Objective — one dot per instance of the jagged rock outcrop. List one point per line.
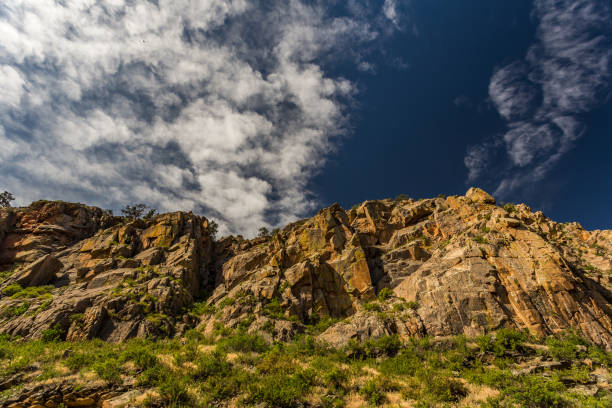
(84, 273)
(454, 265)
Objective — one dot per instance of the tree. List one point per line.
(212, 228)
(134, 211)
(150, 214)
(6, 198)
(263, 232)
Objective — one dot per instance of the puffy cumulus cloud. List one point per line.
(566, 72)
(223, 107)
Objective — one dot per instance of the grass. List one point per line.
(240, 368)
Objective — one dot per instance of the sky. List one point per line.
(257, 113)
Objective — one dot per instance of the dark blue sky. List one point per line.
(412, 126)
(260, 112)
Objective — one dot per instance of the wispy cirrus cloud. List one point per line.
(567, 72)
(224, 107)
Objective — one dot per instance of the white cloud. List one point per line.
(390, 11)
(11, 83)
(566, 72)
(223, 106)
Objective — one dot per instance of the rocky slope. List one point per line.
(442, 266)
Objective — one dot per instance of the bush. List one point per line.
(441, 387)
(12, 289)
(537, 392)
(510, 339)
(565, 348)
(76, 361)
(173, 390)
(335, 378)
(509, 207)
(405, 363)
(242, 341)
(40, 292)
(139, 353)
(211, 364)
(372, 393)
(281, 390)
(108, 370)
(505, 339)
(387, 345)
(372, 307)
(384, 294)
(480, 239)
(53, 334)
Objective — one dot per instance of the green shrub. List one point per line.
(537, 392)
(225, 302)
(54, 333)
(12, 289)
(335, 377)
(281, 390)
(108, 370)
(201, 308)
(372, 393)
(412, 304)
(480, 239)
(76, 361)
(140, 354)
(372, 307)
(510, 339)
(387, 345)
(173, 390)
(241, 341)
(384, 294)
(217, 387)
(406, 363)
(211, 364)
(439, 386)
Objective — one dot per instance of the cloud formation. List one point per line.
(224, 107)
(566, 73)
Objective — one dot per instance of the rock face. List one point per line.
(452, 265)
(106, 277)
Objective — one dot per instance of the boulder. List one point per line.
(39, 272)
(479, 196)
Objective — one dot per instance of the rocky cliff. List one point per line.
(441, 266)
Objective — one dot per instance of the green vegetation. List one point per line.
(510, 208)
(480, 239)
(15, 291)
(384, 294)
(236, 367)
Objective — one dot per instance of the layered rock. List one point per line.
(461, 263)
(103, 276)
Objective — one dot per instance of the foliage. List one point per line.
(509, 207)
(135, 211)
(12, 289)
(150, 214)
(212, 229)
(263, 232)
(54, 333)
(384, 294)
(6, 198)
(241, 369)
(241, 341)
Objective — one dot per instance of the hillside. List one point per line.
(376, 303)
